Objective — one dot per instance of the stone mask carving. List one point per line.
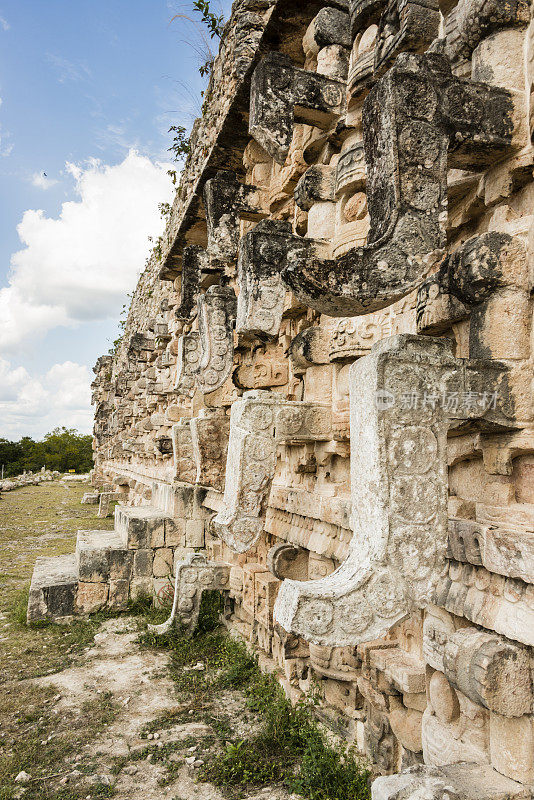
(417, 116)
(259, 420)
(205, 358)
(398, 489)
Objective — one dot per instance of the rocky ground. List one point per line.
(88, 710)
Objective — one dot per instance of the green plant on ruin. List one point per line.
(290, 747)
(164, 210)
(180, 146)
(210, 21)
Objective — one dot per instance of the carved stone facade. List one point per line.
(322, 405)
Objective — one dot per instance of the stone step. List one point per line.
(143, 527)
(53, 588)
(101, 557)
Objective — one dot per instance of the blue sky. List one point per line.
(88, 91)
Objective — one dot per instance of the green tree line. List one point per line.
(63, 449)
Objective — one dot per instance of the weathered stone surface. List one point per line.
(262, 256)
(330, 26)
(216, 314)
(502, 605)
(209, 439)
(457, 782)
(53, 588)
(91, 597)
(471, 21)
(194, 576)
(282, 94)
(96, 553)
(258, 421)
(397, 479)
(139, 527)
(226, 200)
(187, 363)
(490, 670)
(413, 117)
(288, 561)
(182, 442)
(194, 260)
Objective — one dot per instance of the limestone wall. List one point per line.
(326, 375)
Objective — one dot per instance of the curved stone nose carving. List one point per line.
(205, 358)
(258, 421)
(417, 118)
(403, 398)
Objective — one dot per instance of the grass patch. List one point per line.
(289, 748)
(43, 743)
(29, 651)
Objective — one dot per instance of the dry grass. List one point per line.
(39, 521)
(36, 521)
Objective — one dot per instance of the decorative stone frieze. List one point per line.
(216, 315)
(187, 363)
(209, 438)
(226, 201)
(351, 180)
(258, 422)
(262, 255)
(416, 114)
(403, 25)
(398, 466)
(281, 95)
(194, 576)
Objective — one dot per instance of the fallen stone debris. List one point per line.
(321, 407)
(29, 479)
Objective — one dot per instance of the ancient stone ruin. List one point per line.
(322, 403)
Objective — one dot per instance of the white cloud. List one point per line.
(6, 147)
(68, 70)
(33, 406)
(79, 266)
(41, 181)
(5, 24)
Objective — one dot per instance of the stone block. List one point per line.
(163, 592)
(90, 498)
(120, 564)
(415, 701)
(138, 534)
(265, 591)
(464, 739)
(490, 670)
(139, 526)
(118, 594)
(163, 562)
(512, 746)
(183, 501)
(175, 532)
(140, 587)
(194, 533)
(157, 534)
(456, 782)
(406, 671)
(53, 588)
(104, 507)
(91, 597)
(142, 563)
(93, 566)
(406, 725)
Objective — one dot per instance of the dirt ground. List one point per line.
(85, 710)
